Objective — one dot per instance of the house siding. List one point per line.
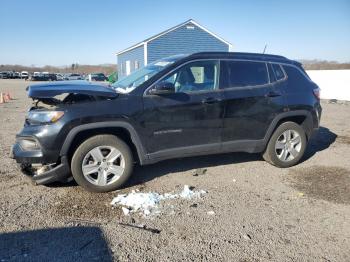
(184, 41)
(133, 55)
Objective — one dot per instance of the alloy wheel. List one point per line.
(103, 165)
(288, 145)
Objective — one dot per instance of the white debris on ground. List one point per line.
(211, 213)
(147, 202)
(187, 193)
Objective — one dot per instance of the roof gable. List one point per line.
(191, 21)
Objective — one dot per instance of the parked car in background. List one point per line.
(11, 74)
(38, 77)
(73, 77)
(16, 75)
(44, 76)
(59, 76)
(24, 75)
(34, 75)
(98, 77)
(52, 77)
(5, 75)
(204, 103)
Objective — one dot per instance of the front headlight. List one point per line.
(28, 144)
(43, 117)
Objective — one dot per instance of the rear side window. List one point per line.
(302, 69)
(244, 73)
(296, 79)
(279, 74)
(271, 73)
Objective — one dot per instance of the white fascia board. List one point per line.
(230, 48)
(167, 31)
(130, 48)
(211, 33)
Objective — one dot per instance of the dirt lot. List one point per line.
(260, 212)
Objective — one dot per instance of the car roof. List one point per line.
(244, 56)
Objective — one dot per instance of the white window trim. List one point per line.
(127, 67)
(130, 48)
(145, 54)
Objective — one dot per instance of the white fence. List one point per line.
(334, 84)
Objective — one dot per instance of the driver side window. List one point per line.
(195, 76)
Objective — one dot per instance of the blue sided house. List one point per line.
(186, 38)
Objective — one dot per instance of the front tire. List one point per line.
(102, 163)
(286, 146)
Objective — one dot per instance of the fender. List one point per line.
(134, 136)
(308, 123)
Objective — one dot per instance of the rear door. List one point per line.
(189, 119)
(251, 100)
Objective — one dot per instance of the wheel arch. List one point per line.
(301, 117)
(123, 130)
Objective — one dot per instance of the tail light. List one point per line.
(317, 93)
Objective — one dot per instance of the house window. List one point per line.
(137, 64)
(128, 67)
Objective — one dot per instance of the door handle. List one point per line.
(210, 100)
(273, 94)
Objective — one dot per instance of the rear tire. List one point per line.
(102, 163)
(286, 146)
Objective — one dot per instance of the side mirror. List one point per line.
(162, 88)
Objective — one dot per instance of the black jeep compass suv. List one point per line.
(204, 103)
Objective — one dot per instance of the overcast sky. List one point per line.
(35, 32)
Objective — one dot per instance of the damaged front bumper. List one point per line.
(40, 173)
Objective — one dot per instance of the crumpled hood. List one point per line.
(49, 90)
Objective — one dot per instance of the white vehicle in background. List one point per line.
(73, 77)
(59, 76)
(24, 75)
(36, 73)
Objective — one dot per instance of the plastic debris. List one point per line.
(126, 211)
(146, 203)
(211, 213)
(138, 201)
(188, 193)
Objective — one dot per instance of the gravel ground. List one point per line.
(259, 212)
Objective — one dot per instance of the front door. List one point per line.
(190, 119)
